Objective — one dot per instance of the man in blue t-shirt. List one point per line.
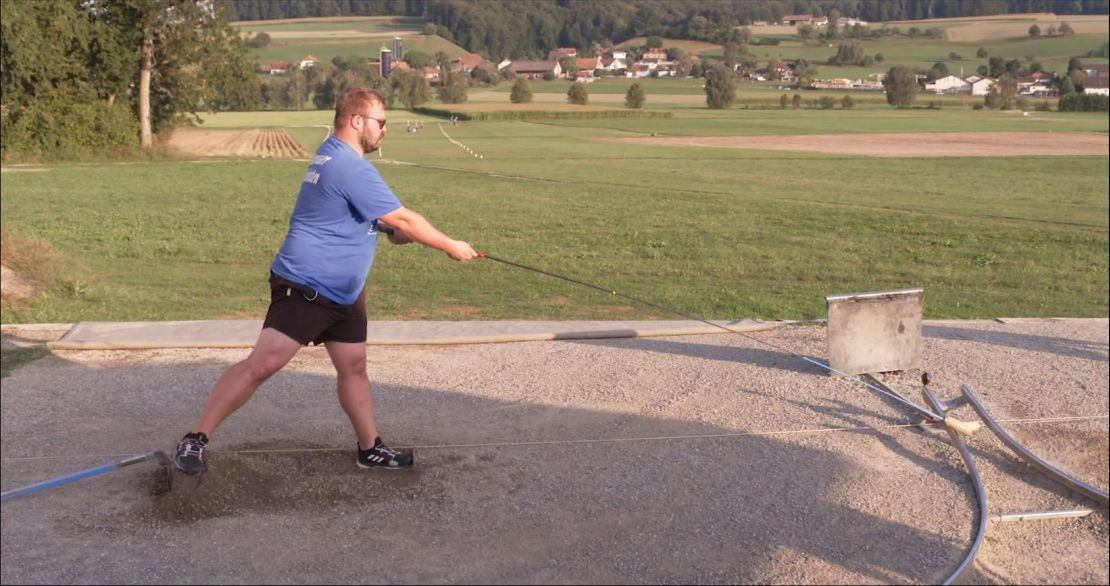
(318, 280)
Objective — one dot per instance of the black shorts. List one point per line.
(306, 316)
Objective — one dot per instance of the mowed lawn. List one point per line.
(717, 233)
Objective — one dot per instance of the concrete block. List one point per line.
(875, 332)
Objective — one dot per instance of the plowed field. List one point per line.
(255, 143)
(921, 144)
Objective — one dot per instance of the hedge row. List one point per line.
(59, 128)
(495, 115)
(1084, 103)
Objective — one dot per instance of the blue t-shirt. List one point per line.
(333, 231)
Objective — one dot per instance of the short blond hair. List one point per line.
(354, 101)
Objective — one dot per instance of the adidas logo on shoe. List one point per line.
(382, 456)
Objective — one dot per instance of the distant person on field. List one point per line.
(318, 279)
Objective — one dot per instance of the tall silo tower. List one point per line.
(387, 62)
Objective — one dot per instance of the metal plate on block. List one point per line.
(875, 332)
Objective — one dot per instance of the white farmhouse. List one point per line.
(949, 85)
(980, 85)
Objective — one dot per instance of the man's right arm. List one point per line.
(417, 228)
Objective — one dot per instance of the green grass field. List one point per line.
(688, 95)
(718, 233)
(308, 26)
(326, 50)
(326, 39)
(1052, 53)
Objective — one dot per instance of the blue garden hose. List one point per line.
(158, 456)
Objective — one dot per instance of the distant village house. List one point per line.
(278, 67)
(536, 69)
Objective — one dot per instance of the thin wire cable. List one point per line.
(590, 441)
(922, 410)
(636, 299)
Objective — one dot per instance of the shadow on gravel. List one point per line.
(763, 357)
(283, 501)
(1061, 346)
(848, 415)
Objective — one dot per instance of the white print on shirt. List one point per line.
(320, 159)
(311, 177)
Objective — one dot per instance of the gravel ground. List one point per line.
(688, 459)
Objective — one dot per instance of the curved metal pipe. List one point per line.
(1051, 471)
(980, 491)
(1042, 515)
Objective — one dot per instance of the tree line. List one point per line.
(320, 85)
(80, 76)
(522, 29)
(106, 76)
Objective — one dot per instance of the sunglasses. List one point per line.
(380, 121)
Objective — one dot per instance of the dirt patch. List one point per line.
(303, 34)
(23, 169)
(1006, 26)
(971, 19)
(12, 286)
(921, 144)
(1008, 30)
(258, 143)
(258, 23)
(694, 47)
(255, 478)
(343, 34)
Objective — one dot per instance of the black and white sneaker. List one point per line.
(189, 455)
(382, 456)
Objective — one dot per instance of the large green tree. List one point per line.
(410, 87)
(850, 53)
(324, 84)
(452, 87)
(569, 66)
(1002, 94)
(168, 59)
(50, 47)
(60, 75)
(577, 94)
(720, 88)
(521, 93)
(418, 59)
(187, 49)
(900, 85)
(302, 84)
(938, 70)
(635, 96)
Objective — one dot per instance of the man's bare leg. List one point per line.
(271, 353)
(353, 385)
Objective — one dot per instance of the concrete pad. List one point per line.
(243, 333)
